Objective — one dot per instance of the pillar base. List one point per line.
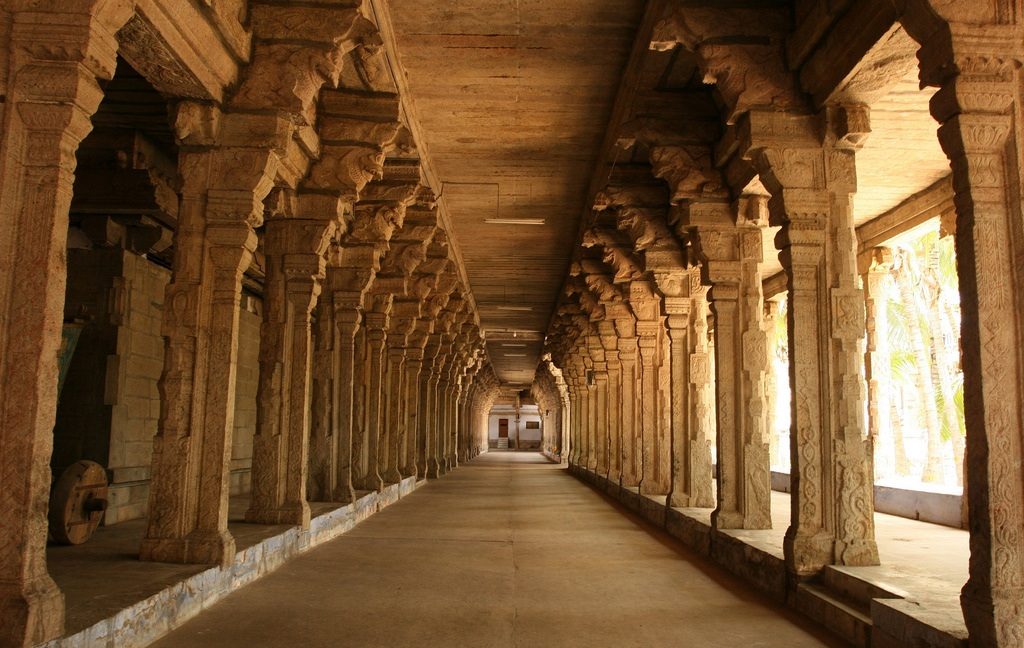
(679, 500)
(32, 612)
(860, 553)
(614, 476)
(344, 494)
(806, 555)
(411, 471)
(197, 548)
(296, 514)
(651, 489)
(393, 476)
(433, 469)
(371, 483)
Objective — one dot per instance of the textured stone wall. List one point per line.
(133, 375)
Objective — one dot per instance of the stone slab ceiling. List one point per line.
(513, 98)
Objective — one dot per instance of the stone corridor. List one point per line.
(508, 551)
(279, 281)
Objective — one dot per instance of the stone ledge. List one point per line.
(153, 617)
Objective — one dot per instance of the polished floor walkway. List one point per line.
(509, 550)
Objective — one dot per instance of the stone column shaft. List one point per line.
(192, 450)
(346, 320)
(376, 337)
(630, 413)
(812, 184)
(614, 416)
(733, 264)
(701, 414)
(295, 268)
(49, 103)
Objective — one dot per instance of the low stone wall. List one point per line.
(926, 506)
(150, 619)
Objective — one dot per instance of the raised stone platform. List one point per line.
(143, 601)
(912, 599)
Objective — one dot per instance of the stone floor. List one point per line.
(506, 551)
(104, 575)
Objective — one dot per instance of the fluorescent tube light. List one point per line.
(514, 221)
(515, 308)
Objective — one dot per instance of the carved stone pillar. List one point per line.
(395, 395)
(812, 182)
(979, 111)
(677, 323)
(625, 328)
(426, 459)
(877, 365)
(296, 265)
(655, 451)
(599, 436)
(588, 432)
(442, 396)
(731, 248)
(576, 413)
(213, 247)
(377, 322)
(414, 406)
(771, 313)
(323, 438)
(435, 465)
(347, 319)
(702, 410)
(614, 403)
(51, 95)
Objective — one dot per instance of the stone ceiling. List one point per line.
(513, 98)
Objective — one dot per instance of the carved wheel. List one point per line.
(77, 502)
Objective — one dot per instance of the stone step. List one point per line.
(846, 584)
(502, 444)
(837, 615)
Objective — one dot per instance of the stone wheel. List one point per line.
(77, 502)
